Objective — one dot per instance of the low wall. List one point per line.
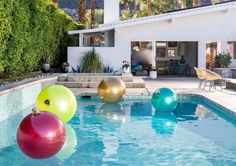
(110, 56)
(15, 103)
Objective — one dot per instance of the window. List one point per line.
(231, 48)
(166, 49)
(172, 44)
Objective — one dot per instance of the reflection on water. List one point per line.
(9, 127)
(141, 109)
(164, 122)
(193, 111)
(185, 111)
(113, 111)
(132, 133)
(70, 144)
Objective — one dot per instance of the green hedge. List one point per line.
(28, 29)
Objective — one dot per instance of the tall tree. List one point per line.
(82, 11)
(135, 7)
(149, 7)
(93, 19)
(196, 3)
(93, 8)
(126, 4)
(55, 1)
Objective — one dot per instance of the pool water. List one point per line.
(132, 133)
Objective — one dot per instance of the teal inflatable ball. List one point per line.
(164, 99)
(164, 123)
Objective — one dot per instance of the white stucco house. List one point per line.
(192, 33)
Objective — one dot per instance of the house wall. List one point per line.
(191, 54)
(110, 56)
(216, 26)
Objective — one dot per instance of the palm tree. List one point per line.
(93, 8)
(93, 18)
(135, 7)
(149, 7)
(126, 3)
(55, 1)
(196, 3)
(82, 11)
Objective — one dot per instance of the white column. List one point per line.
(81, 43)
(111, 11)
(154, 53)
(201, 54)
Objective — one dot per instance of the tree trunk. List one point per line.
(82, 11)
(149, 7)
(196, 3)
(93, 8)
(55, 1)
(126, 3)
(93, 19)
(135, 6)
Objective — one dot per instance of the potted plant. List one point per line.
(126, 67)
(46, 62)
(65, 67)
(222, 62)
(153, 73)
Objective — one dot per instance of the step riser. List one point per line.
(89, 79)
(95, 84)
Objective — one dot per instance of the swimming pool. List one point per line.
(131, 133)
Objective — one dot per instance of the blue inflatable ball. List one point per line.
(164, 99)
(164, 123)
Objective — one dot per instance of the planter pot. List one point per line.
(45, 68)
(233, 73)
(65, 69)
(126, 69)
(224, 72)
(153, 74)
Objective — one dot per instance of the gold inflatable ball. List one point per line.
(111, 90)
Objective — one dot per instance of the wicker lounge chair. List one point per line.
(210, 77)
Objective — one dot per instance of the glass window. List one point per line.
(231, 48)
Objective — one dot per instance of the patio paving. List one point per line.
(189, 85)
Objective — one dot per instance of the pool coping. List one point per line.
(138, 92)
(25, 83)
(223, 107)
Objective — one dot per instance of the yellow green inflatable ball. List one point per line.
(164, 99)
(58, 100)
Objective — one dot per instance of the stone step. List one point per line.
(93, 77)
(72, 84)
(90, 78)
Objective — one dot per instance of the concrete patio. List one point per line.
(183, 85)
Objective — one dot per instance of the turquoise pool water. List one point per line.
(131, 133)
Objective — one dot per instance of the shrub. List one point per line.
(1, 70)
(223, 60)
(27, 30)
(91, 62)
(76, 70)
(107, 69)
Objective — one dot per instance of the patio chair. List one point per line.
(201, 77)
(210, 77)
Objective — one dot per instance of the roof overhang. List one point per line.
(91, 31)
